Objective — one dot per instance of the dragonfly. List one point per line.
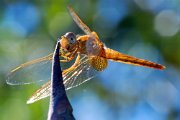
(90, 54)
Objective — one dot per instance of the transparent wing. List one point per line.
(82, 73)
(78, 21)
(33, 71)
(41, 93)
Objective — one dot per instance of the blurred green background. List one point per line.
(148, 29)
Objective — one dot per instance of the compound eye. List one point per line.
(71, 37)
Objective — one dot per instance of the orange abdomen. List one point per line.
(120, 57)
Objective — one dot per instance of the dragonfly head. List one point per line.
(68, 41)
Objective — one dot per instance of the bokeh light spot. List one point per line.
(160, 99)
(20, 18)
(148, 4)
(167, 23)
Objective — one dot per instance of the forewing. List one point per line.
(33, 71)
(78, 21)
(82, 73)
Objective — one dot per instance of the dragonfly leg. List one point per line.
(68, 57)
(73, 66)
